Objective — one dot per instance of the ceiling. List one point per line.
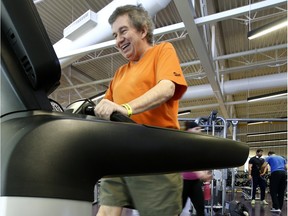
(222, 67)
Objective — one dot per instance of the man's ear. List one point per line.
(144, 31)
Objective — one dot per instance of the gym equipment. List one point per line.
(238, 209)
(217, 125)
(86, 107)
(50, 161)
(56, 106)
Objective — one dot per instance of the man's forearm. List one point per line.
(156, 96)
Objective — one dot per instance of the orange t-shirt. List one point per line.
(134, 79)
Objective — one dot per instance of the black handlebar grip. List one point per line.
(116, 116)
(88, 109)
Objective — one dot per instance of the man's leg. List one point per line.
(273, 190)
(262, 185)
(282, 188)
(185, 192)
(254, 186)
(109, 211)
(156, 195)
(113, 196)
(197, 197)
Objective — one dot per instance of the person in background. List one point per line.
(193, 181)
(278, 179)
(254, 169)
(147, 89)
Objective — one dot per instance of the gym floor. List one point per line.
(262, 210)
(255, 210)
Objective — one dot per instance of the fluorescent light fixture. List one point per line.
(273, 26)
(267, 96)
(267, 141)
(37, 1)
(267, 134)
(269, 147)
(255, 123)
(184, 113)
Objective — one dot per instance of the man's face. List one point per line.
(129, 41)
(260, 153)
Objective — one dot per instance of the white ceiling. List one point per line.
(222, 67)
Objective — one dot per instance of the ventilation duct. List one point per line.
(237, 86)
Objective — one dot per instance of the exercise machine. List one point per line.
(50, 161)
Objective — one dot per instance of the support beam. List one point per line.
(205, 106)
(111, 43)
(252, 52)
(240, 54)
(187, 14)
(180, 26)
(238, 11)
(253, 66)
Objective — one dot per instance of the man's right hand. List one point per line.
(105, 108)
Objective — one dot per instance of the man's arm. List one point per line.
(156, 96)
(250, 170)
(264, 168)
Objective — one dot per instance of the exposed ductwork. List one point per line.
(230, 87)
(100, 37)
(102, 31)
(237, 86)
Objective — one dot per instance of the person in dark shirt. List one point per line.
(255, 164)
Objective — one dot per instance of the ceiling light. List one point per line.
(273, 26)
(269, 147)
(184, 113)
(267, 141)
(267, 133)
(37, 1)
(259, 122)
(267, 96)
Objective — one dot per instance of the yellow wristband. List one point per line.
(128, 108)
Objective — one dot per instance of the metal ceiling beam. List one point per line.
(85, 84)
(180, 26)
(205, 106)
(187, 14)
(196, 62)
(245, 120)
(252, 52)
(238, 11)
(71, 84)
(111, 43)
(239, 54)
(253, 66)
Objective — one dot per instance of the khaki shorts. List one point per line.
(156, 195)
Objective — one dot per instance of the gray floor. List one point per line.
(255, 210)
